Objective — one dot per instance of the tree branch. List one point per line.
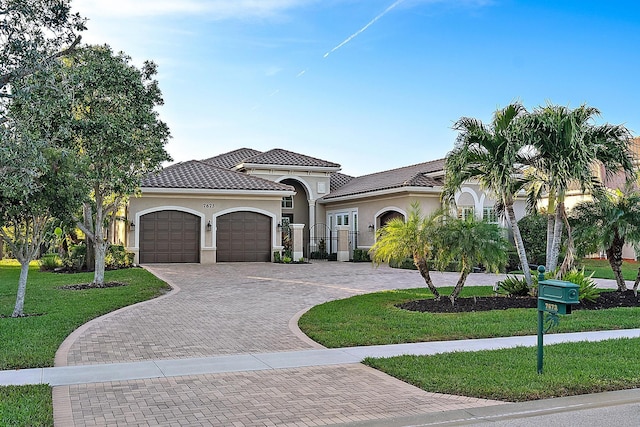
(6, 78)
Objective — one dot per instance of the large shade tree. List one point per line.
(607, 223)
(116, 133)
(398, 240)
(567, 145)
(34, 128)
(494, 156)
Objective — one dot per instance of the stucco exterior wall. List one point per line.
(369, 211)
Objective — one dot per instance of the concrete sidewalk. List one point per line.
(86, 374)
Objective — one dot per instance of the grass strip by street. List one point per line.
(373, 319)
(32, 341)
(26, 406)
(511, 375)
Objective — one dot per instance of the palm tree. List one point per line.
(468, 243)
(398, 240)
(567, 144)
(493, 155)
(606, 223)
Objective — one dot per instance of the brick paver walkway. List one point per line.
(236, 309)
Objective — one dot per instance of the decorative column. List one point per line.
(312, 222)
(343, 242)
(298, 241)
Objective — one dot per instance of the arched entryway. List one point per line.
(295, 210)
(388, 216)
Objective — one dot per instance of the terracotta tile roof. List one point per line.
(338, 180)
(232, 158)
(196, 174)
(280, 157)
(408, 176)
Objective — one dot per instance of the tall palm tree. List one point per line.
(606, 223)
(493, 155)
(468, 243)
(567, 144)
(398, 240)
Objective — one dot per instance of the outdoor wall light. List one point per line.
(279, 226)
(371, 227)
(209, 225)
(132, 226)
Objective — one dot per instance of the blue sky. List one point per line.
(254, 73)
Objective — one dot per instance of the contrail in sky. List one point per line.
(361, 30)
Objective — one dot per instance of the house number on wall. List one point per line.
(208, 205)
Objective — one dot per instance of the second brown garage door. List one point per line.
(169, 236)
(243, 237)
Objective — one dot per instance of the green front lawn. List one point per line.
(602, 270)
(53, 313)
(373, 319)
(26, 406)
(31, 342)
(511, 375)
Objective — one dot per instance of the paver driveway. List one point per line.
(227, 309)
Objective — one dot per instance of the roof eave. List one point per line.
(210, 191)
(245, 166)
(385, 192)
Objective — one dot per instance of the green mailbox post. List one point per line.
(554, 297)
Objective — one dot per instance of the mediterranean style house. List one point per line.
(246, 205)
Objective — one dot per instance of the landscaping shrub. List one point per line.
(49, 262)
(513, 261)
(588, 288)
(405, 264)
(533, 229)
(360, 255)
(75, 258)
(117, 257)
(513, 286)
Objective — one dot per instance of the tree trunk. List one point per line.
(87, 217)
(461, 280)
(18, 310)
(614, 254)
(517, 237)
(551, 212)
(557, 235)
(635, 284)
(569, 257)
(100, 253)
(423, 268)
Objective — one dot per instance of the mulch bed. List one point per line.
(83, 286)
(606, 300)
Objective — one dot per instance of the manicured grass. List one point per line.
(373, 319)
(602, 270)
(26, 406)
(53, 313)
(510, 375)
(32, 341)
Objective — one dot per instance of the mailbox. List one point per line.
(554, 297)
(557, 296)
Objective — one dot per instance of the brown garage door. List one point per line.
(243, 237)
(169, 236)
